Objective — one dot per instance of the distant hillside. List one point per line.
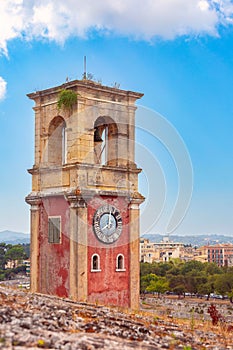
(11, 237)
(195, 240)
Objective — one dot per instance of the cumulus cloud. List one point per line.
(59, 19)
(11, 25)
(2, 88)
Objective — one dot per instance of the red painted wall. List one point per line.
(54, 258)
(108, 286)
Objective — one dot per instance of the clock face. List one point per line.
(107, 223)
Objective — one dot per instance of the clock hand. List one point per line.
(109, 219)
(106, 226)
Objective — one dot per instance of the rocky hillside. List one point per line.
(29, 321)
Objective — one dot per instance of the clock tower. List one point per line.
(85, 200)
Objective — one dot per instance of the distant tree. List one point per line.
(230, 296)
(224, 285)
(205, 289)
(212, 269)
(159, 286)
(191, 276)
(26, 248)
(3, 249)
(192, 266)
(164, 268)
(145, 281)
(176, 284)
(145, 269)
(143, 284)
(190, 283)
(176, 262)
(179, 290)
(174, 271)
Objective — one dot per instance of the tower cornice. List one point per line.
(87, 86)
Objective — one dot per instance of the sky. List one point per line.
(178, 53)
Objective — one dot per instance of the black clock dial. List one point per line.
(107, 223)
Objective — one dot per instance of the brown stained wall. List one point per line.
(109, 286)
(54, 258)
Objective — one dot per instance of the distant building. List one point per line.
(194, 253)
(166, 250)
(201, 254)
(159, 252)
(27, 263)
(12, 264)
(221, 254)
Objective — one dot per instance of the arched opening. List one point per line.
(105, 141)
(57, 141)
(120, 262)
(95, 262)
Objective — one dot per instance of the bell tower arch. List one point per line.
(105, 141)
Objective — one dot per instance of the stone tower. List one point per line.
(84, 200)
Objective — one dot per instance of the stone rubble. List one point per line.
(33, 321)
(185, 308)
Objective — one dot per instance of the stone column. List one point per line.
(78, 249)
(38, 146)
(134, 233)
(34, 245)
(131, 137)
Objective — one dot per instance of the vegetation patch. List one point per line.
(192, 278)
(66, 100)
(13, 254)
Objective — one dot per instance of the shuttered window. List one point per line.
(54, 228)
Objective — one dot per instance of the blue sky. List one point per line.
(179, 53)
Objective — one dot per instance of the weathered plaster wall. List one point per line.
(54, 258)
(109, 286)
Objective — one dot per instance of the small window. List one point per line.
(120, 263)
(95, 263)
(54, 230)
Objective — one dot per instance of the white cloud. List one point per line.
(11, 21)
(2, 88)
(59, 19)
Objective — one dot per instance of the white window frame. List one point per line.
(98, 265)
(123, 263)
